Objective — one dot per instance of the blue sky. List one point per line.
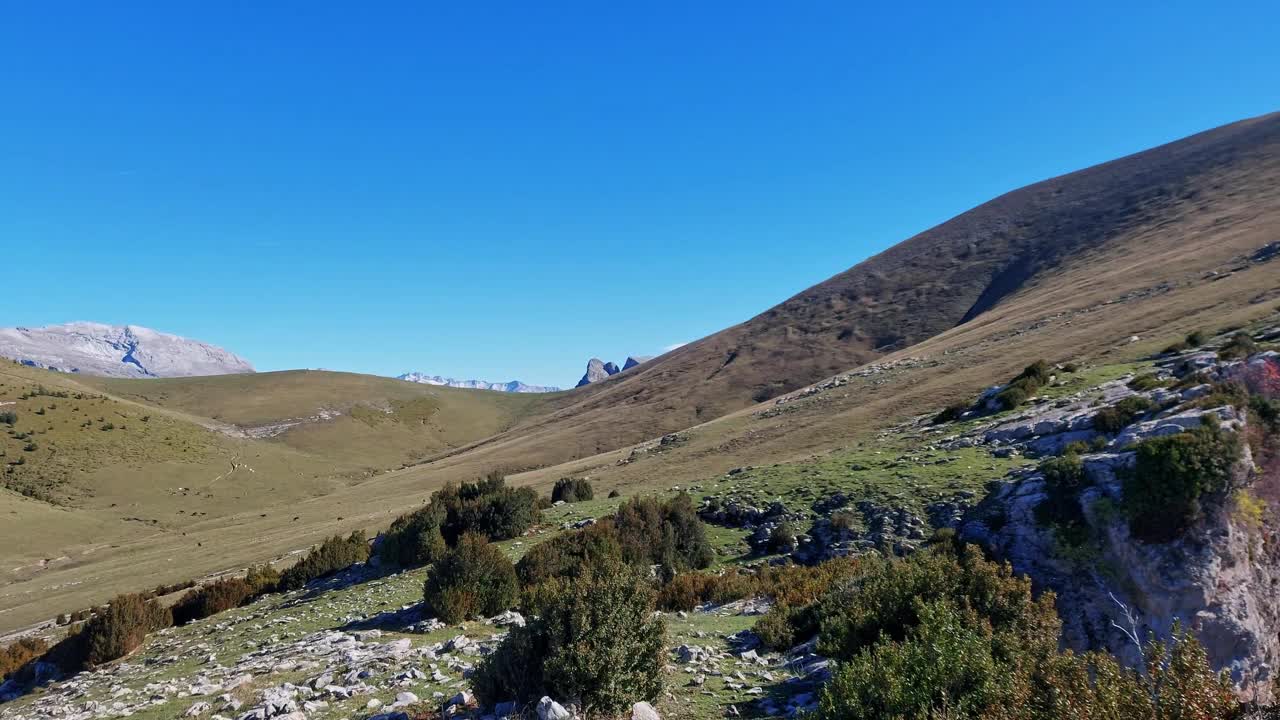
(502, 190)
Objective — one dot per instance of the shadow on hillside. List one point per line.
(399, 620)
(354, 575)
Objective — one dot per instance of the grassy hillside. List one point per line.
(1147, 247)
(94, 470)
(1110, 245)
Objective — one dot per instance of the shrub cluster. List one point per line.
(945, 633)
(487, 507)
(335, 554)
(1064, 478)
(572, 490)
(1024, 385)
(20, 653)
(666, 533)
(593, 641)
(472, 580)
(1114, 418)
(8, 417)
(211, 599)
(1193, 340)
(1240, 345)
(1170, 476)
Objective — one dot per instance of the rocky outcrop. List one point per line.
(514, 386)
(126, 351)
(634, 360)
(1218, 579)
(598, 370)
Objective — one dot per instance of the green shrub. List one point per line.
(9, 417)
(487, 507)
(262, 578)
(1240, 345)
(1170, 476)
(670, 534)
(1024, 385)
(1148, 381)
(473, 580)
(212, 599)
(572, 490)
(414, 539)
(884, 597)
(614, 493)
(1012, 396)
(594, 642)
(783, 538)
(1196, 338)
(121, 629)
(1064, 478)
(951, 412)
(333, 555)
(1117, 417)
(565, 555)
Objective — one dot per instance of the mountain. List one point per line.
(117, 351)
(597, 370)
(1067, 267)
(514, 386)
(634, 360)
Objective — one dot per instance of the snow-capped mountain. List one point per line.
(514, 386)
(117, 351)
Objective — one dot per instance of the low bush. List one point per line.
(262, 578)
(1148, 381)
(212, 599)
(1171, 474)
(951, 413)
(1241, 345)
(1064, 478)
(473, 580)
(564, 555)
(414, 539)
(333, 555)
(14, 656)
(572, 490)
(121, 628)
(594, 641)
(9, 417)
(1114, 418)
(1024, 385)
(487, 507)
(614, 493)
(670, 534)
(783, 538)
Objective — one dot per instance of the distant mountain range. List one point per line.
(514, 386)
(127, 351)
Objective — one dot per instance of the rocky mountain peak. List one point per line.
(129, 351)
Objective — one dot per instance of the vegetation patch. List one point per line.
(1172, 474)
(594, 641)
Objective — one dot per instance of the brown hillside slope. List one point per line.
(928, 284)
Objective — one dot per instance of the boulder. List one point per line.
(644, 711)
(549, 709)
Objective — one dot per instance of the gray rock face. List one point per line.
(1217, 580)
(514, 386)
(115, 351)
(597, 370)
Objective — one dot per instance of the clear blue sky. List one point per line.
(499, 190)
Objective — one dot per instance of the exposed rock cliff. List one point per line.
(117, 351)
